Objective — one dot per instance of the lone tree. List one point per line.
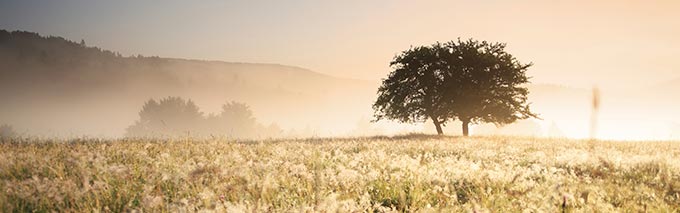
(468, 80)
(413, 92)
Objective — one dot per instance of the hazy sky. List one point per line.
(579, 43)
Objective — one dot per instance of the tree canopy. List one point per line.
(469, 80)
(175, 117)
(171, 116)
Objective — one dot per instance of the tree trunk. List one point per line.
(465, 127)
(438, 125)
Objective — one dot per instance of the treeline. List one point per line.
(30, 46)
(177, 117)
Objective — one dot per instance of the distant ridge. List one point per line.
(74, 79)
(33, 44)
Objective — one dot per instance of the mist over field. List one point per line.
(51, 86)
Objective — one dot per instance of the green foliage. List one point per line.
(467, 80)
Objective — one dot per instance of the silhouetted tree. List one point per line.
(174, 116)
(467, 80)
(484, 83)
(170, 116)
(413, 91)
(237, 120)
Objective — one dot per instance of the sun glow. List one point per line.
(629, 129)
(616, 129)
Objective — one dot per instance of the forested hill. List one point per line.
(57, 86)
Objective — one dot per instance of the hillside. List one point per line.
(58, 86)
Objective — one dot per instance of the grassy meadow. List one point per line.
(408, 173)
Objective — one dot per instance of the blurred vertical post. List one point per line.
(594, 113)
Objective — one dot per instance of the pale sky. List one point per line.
(611, 43)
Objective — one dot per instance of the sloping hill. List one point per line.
(58, 86)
